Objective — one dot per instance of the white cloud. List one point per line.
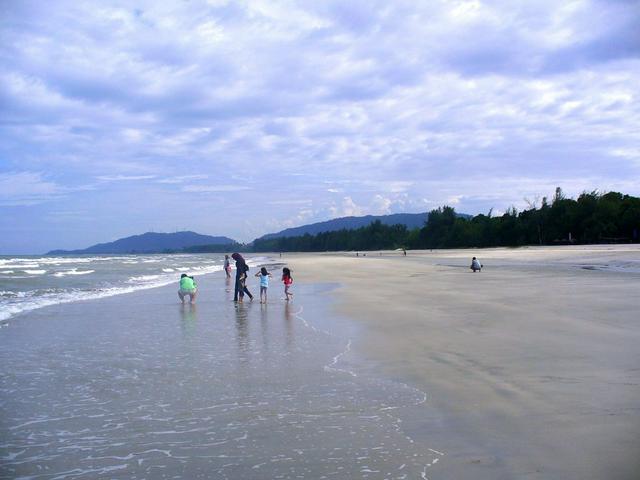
(347, 208)
(124, 178)
(27, 188)
(182, 178)
(383, 104)
(214, 188)
(381, 205)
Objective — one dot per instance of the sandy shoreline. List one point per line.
(535, 361)
(140, 386)
(531, 370)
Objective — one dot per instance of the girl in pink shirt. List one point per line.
(287, 279)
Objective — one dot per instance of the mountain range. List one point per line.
(411, 220)
(151, 242)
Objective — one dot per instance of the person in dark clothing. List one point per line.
(241, 274)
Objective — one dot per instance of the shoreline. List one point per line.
(139, 383)
(530, 367)
(28, 302)
(533, 362)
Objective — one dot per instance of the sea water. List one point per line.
(30, 282)
(140, 386)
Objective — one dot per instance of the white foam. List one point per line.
(168, 270)
(10, 294)
(35, 272)
(143, 278)
(37, 299)
(73, 271)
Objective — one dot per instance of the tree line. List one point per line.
(591, 218)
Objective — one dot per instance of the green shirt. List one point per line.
(187, 283)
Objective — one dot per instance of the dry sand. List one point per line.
(534, 363)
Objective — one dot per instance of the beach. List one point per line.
(534, 362)
(137, 385)
(383, 366)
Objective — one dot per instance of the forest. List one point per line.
(591, 218)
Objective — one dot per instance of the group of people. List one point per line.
(188, 287)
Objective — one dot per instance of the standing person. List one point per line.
(227, 266)
(187, 287)
(242, 287)
(264, 283)
(476, 266)
(241, 273)
(287, 279)
(244, 282)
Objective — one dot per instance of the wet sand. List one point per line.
(139, 386)
(533, 363)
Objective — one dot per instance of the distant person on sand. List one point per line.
(476, 266)
(227, 266)
(287, 279)
(264, 283)
(187, 287)
(241, 274)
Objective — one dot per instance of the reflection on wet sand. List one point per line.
(228, 286)
(225, 402)
(188, 315)
(264, 327)
(242, 333)
(289, 327)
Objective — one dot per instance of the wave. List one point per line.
(14, 303)
(10, 294)
(60, 260)
(73, 271)
(21, 265)
(142, 278)
(35, 299)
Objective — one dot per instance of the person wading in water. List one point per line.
(241, 272)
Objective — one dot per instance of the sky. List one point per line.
(241, 118)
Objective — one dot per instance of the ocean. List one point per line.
(30, 282)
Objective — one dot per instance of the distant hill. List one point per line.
(411, 220)
(151, 242)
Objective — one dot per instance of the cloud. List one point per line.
(28, 188)
(124, 178)
(347, 208)
(381, 205)
(214, 188)
(384, 104)
(182, 178)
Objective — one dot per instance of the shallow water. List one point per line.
(138, 386)
(31, 282)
